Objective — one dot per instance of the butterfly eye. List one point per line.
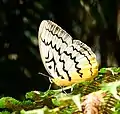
(50, 67)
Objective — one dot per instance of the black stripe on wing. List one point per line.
(55, 68)
(85, 57)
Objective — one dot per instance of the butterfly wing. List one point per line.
(68, 61)
(52, 42)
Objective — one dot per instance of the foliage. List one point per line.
(100, 95)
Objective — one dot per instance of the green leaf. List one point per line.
(76, 99)
(103, 70)
(56, 102)
(112, 88)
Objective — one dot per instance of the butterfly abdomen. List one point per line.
(68, 61)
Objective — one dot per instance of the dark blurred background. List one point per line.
(94, 22)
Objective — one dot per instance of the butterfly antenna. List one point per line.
(45, 75)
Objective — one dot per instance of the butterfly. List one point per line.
(66, 60)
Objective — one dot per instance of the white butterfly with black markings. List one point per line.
(66, 60)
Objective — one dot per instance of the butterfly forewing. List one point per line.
(68, 61)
